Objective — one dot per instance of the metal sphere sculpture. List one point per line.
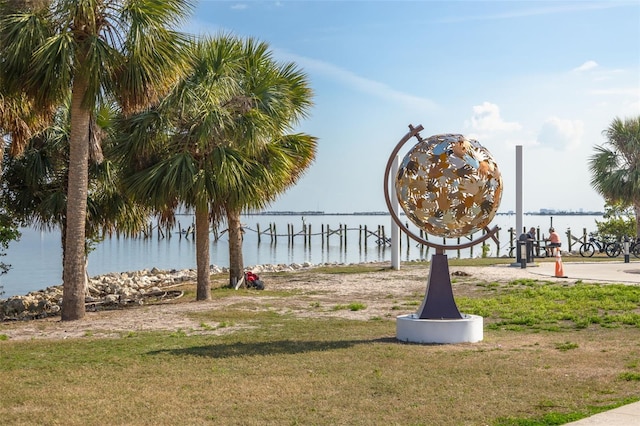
(449, 185)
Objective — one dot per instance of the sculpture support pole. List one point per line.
(519, 226)
(438, 300)
(395, 229)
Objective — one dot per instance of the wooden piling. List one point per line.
(366, 236)
(406, 225)
(345, 234)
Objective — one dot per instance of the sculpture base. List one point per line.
(410, 328)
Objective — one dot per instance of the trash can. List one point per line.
(626, 249)
(522, 252)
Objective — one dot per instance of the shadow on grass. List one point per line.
(242, 349)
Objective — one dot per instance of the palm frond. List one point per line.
(615, 168)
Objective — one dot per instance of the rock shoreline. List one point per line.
(116, 290)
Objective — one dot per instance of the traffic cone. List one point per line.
(559, 270)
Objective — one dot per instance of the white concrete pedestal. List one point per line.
(410, 328)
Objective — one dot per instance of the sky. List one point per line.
(549, 76)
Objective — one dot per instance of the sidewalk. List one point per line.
(613, 272)
(627, 415)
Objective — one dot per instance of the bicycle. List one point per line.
(613, 249)
(634, 247)
(616, 248)
(588, 249)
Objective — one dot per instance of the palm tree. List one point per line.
(93, 49)
(274, 97)
(615, 167)
(175, 153)
(34, 186)
(281, 96)
(206, 146)
(16, 122)
(280, 165)
(34, 183)
(19, 117)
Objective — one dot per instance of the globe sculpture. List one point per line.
(448, 186)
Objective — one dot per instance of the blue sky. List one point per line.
(550, 76)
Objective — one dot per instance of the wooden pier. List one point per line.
(361, 236)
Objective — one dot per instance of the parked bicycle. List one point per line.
(588, 249)
(634, 247)
(616, 248)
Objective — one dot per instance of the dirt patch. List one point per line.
(378, 290)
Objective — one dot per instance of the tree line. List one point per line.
(110, 115)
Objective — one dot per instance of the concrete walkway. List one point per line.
(627, 415)
(612, 272)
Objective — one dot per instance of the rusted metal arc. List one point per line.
(494, 235)
(414, 131)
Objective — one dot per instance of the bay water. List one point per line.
(36, 259)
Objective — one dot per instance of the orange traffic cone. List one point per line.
(559, 270)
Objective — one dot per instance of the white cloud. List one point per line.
(486, 118)
(239, 6)
(559, 134)
(589, 65)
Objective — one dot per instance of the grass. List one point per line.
(552, 353)
(548, 306)
(354, 306)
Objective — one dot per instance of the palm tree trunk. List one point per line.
(74, 255)
(63, 243)
(636, 210)
(202, 253)
(236, 263)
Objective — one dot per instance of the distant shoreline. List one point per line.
(322, 213)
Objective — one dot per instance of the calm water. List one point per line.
(37, 258)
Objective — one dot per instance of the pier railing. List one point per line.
(363, 235)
